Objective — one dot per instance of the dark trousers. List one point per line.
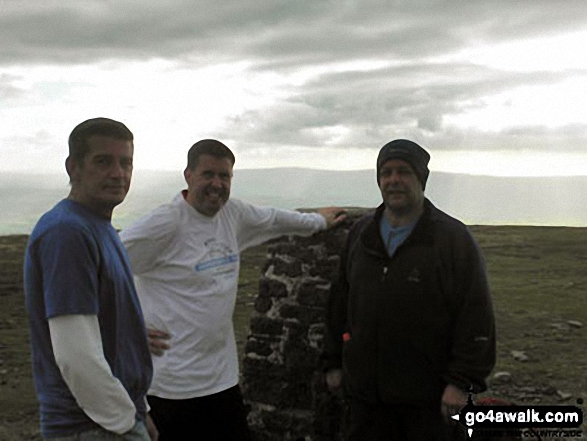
(395, 422)
(218, 417)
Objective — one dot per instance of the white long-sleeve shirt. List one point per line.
(186, 268)
(77, 346)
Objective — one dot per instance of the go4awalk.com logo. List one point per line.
(515, 418)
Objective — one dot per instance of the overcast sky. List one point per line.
(487, 86)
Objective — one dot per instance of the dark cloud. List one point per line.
(274, 33)
(404, 99)
(360, 106)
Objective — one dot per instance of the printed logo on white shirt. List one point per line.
(219, 257)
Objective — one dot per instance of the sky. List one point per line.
(495, 87)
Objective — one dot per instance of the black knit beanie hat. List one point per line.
(408, 151)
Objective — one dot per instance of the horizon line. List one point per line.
(313, 169)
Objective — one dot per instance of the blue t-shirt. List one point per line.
(76, 264)
(393, 237)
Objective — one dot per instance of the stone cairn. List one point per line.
(282, 379)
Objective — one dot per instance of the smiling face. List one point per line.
(102, 179)
(400, 188)
(209, 184)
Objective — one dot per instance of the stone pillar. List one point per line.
(282, 380)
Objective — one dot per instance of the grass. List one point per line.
(538, 277)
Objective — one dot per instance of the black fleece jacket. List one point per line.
(402, 328)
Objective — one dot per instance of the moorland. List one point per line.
(538, 278)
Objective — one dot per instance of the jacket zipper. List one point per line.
(384, 273)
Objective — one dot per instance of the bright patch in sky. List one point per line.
(551, 102)
(508, 163)
(548, 53)
(323, 158)
(483, 99)
(555, 105)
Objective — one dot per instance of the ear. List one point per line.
(72, 168)
(187, 175)
(68, 166)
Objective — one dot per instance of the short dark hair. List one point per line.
(208, 147)
(78, 139)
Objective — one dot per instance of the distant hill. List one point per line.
(473, 199)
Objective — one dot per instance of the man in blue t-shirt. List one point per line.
(91, 361)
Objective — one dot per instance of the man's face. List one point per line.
(400, 187)
(209, 184)
(102, 180)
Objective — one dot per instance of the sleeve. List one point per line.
(69, 261)
(148, 237)
(473, 350)
(259, 224)
(336, 314)
(77, 346)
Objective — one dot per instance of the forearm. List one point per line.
(77, 346)
(294, 222)
(472, 361)
(473, 351)
(336, 315)
(259, 224)
(335, 328)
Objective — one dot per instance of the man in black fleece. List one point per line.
(410, 323)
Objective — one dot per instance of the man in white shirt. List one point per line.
(185, 258)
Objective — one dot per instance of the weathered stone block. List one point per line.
(306, 314)
(284, 426)
(334, 240)
(311, 293)
(326, 269)
(295, 330)
(277, 422)
(267, 390)
(300, 359)
(262, 304)
(272, 288)
(307, 241)
(263, 382)
(253, 366)
(293, 250)
(259, 346)
(316, 334)
(289, 268)
(298, 392)
(266, 325)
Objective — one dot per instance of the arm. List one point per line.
(336, 324)
(158, 341)
(146, 239)
(332, 215)
(258, 224)
(77, 346)
(152, 429)
(473, 349)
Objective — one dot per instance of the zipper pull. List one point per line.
(384, 273)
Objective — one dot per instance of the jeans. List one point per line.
(137, 433)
